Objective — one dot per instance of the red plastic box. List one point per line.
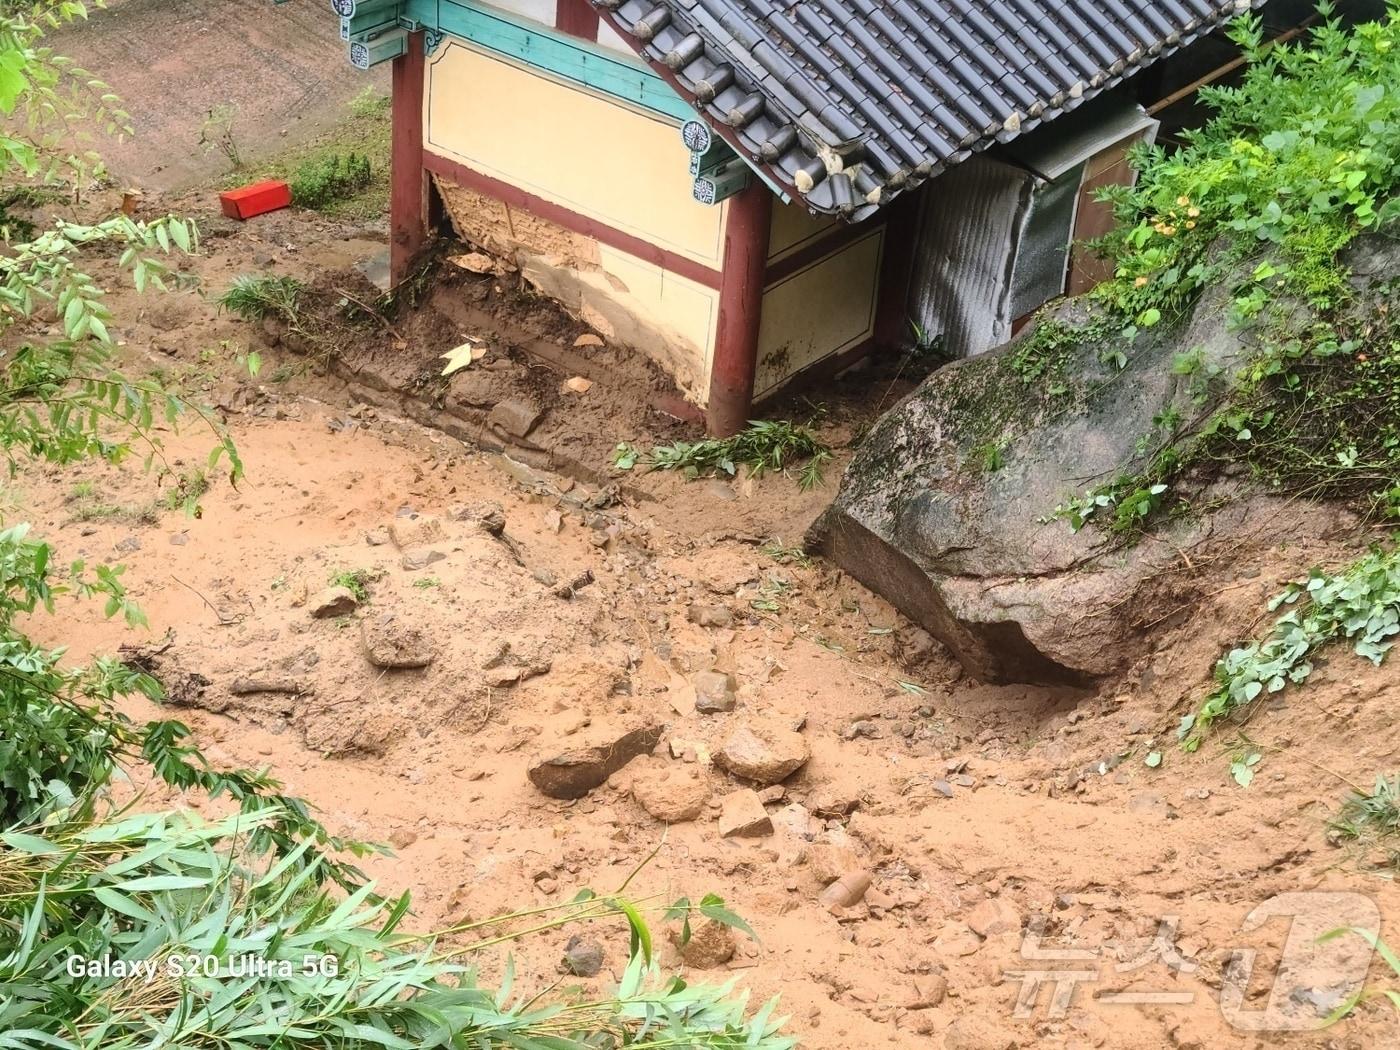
(260, 197)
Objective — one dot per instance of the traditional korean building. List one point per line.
(750, 190)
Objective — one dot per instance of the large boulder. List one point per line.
(942, 511)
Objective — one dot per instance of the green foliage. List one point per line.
(763, 446)
(356, 581)
(1042, 355)
(785, 555)
(196, 901)
(322, 180)
(1372, 817)
(1298, 160)
(255, 296)
(1361, 605)
(216, 134)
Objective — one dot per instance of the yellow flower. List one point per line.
(1183, 200)
(1193, 212)
(1190, 225)
(1141, 282)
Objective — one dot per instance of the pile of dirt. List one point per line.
(908, 843)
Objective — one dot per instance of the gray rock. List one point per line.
(583, 956)
(962, 550)
(575, 772)
(392, 641)
(714, 692)
(333, 601)
(420, 558)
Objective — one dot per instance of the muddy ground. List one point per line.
(554, 603)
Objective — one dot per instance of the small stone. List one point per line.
(588, 339)
(583, 956)
(515, 416)
(333, 601)
(742, 815)
(129, 545)
(670, 793)
(179, 539)
(711, 944)
(578, 384)
(390, 641)
(763, 753)
(710, 616)
(714, 692)
(833, 803)
(772, 795)
(575, 772)
(378, 537)
(421, 558)
(929, 992)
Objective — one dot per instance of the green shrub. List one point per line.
(323, 180)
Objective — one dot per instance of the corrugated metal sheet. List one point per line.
(965, 258)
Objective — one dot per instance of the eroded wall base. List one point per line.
(625, 299)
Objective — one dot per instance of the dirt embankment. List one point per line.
(513, 615)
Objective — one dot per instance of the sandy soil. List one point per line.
(1005, 829)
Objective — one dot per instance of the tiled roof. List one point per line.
(848, 102)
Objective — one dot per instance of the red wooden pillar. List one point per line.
(408, 219)
(742, 276)
(576, 17)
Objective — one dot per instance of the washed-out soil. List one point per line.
(555, 602)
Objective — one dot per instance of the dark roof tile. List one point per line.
(849, 102)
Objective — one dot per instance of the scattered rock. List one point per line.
(711, 944)
(250, 685)
(929, 992)
(392, 642)
(742, 815)
(333, 601)
(763, 753)
(583, 956)
(710, 616)
(714, 692)
(129, 545)
(772, 794)
(588, 339)
(847, 891)
(402, 838)
(578, 384)
(378, 537)
(414, 560)
(671, 793)
(577, 771)
(993, 916)
(515, 416)
(415, 530)
(833, 803)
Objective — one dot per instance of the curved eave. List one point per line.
(750, 95)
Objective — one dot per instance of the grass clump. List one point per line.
(765, 445)
(1360, 604)
(256, 296)
(1372, 816)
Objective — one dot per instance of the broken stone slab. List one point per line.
(714, 692)
(742, 815)
(333, 601)
(391, 641)
(762, 752)
(575, 772)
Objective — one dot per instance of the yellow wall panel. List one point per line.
(594, 155)
(794, 227)
(818, 311)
